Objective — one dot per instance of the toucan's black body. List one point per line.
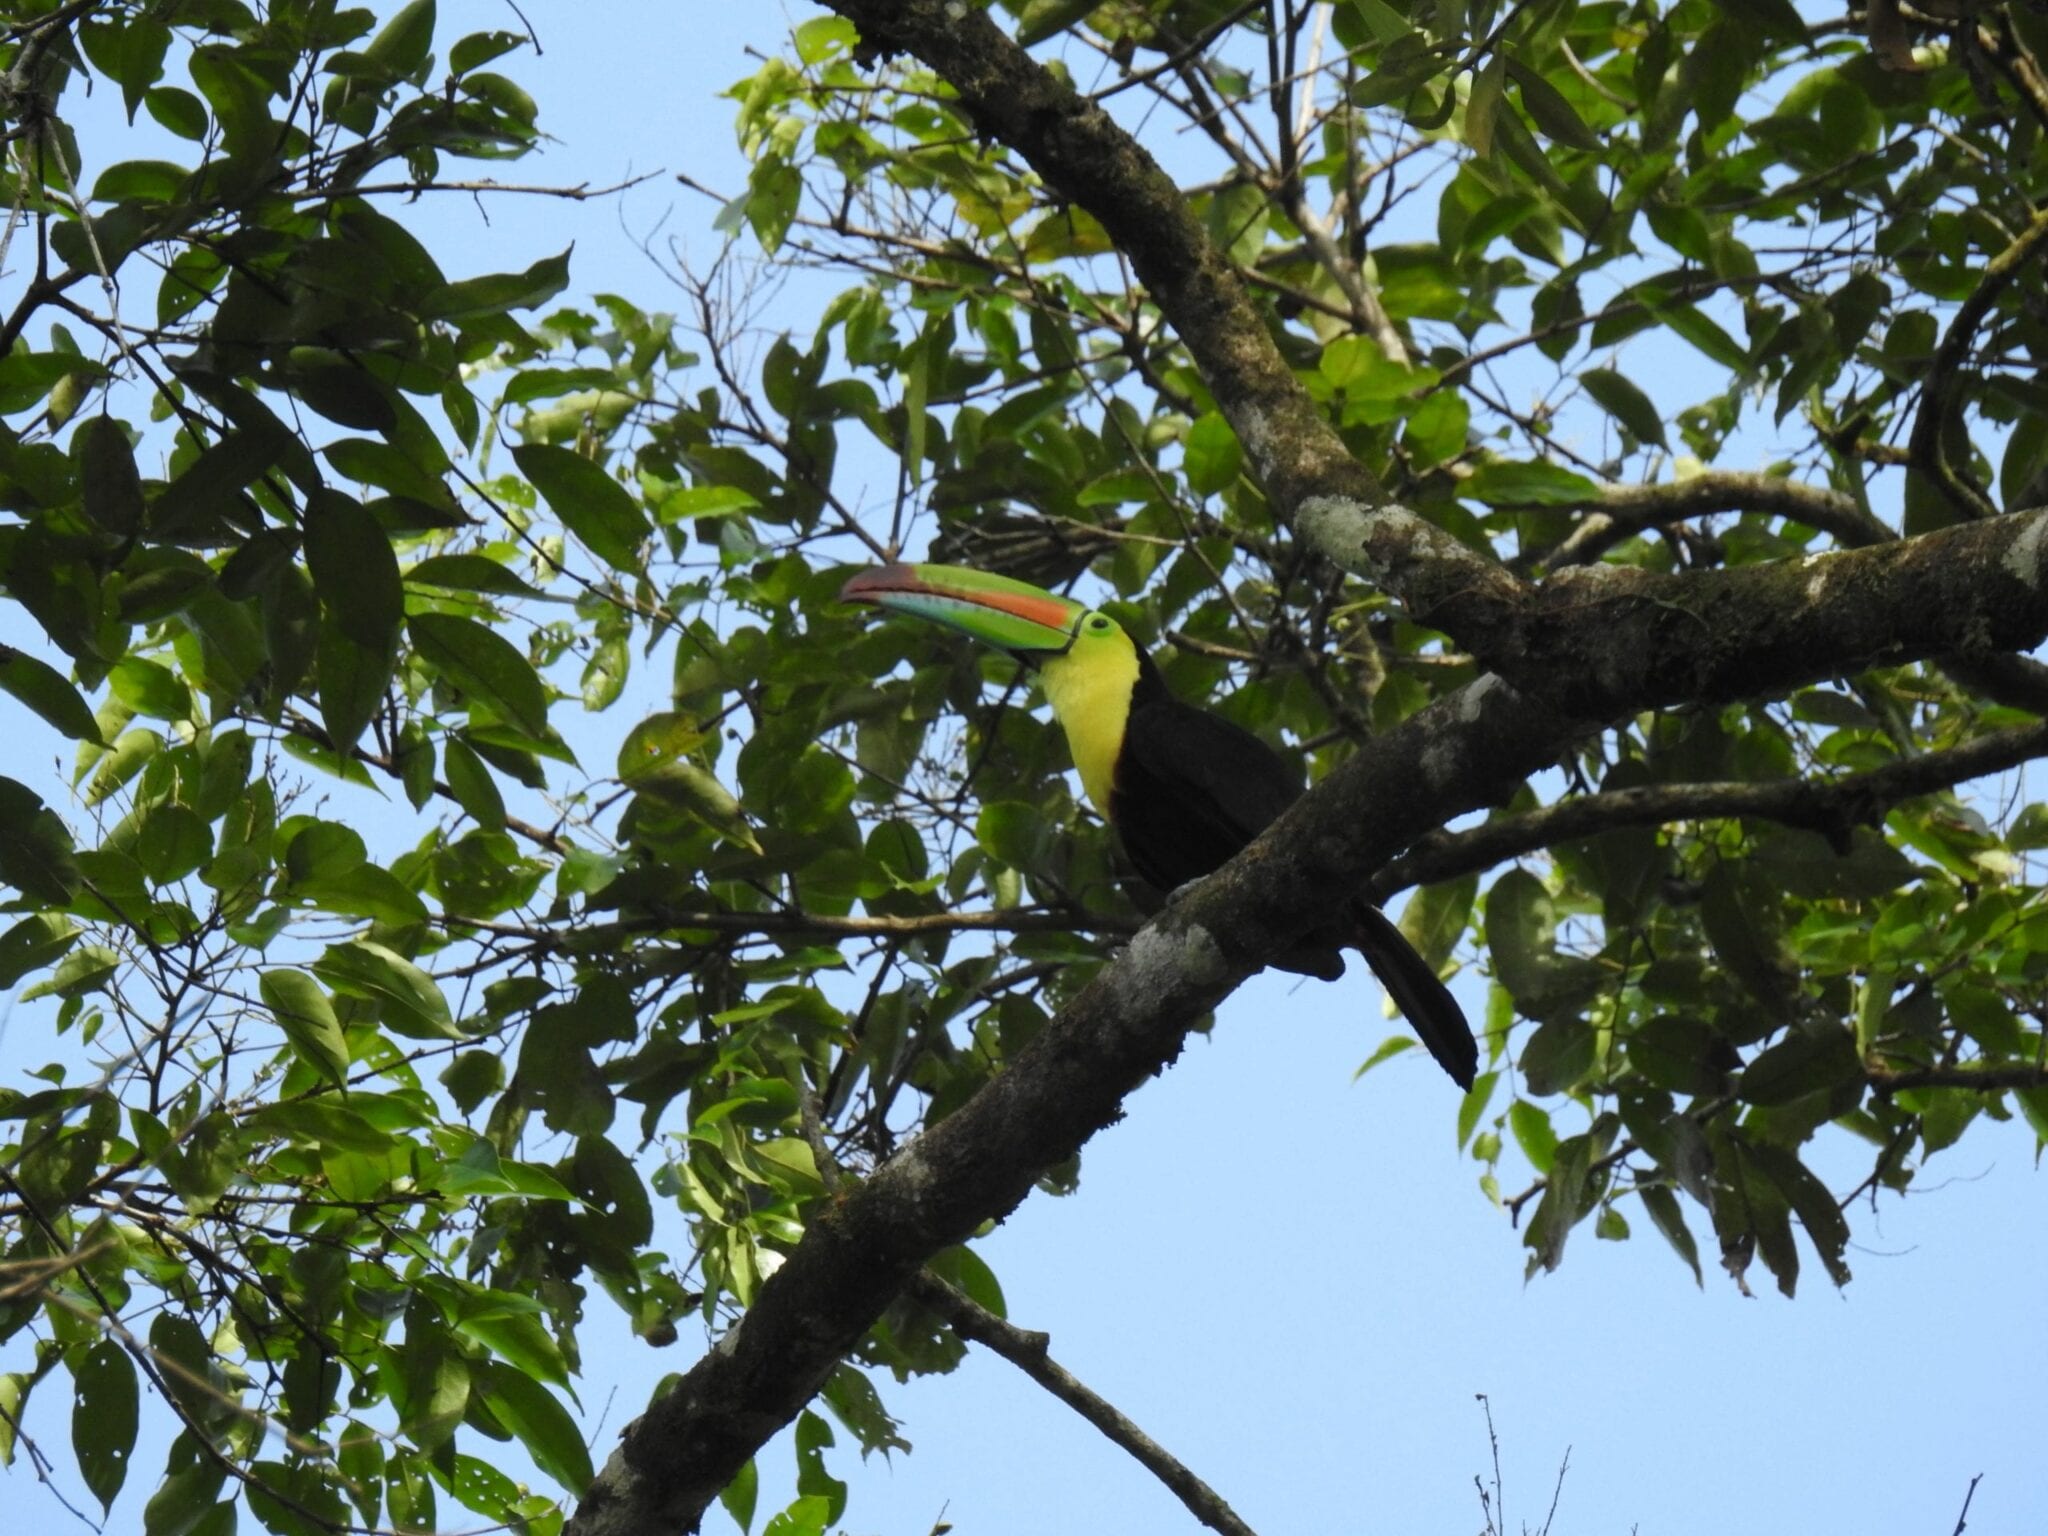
(1192, 789)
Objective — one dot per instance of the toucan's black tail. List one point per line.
(1424, 1001)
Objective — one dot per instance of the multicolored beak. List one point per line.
(1011, 615)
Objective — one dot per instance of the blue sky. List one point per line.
(1286, 1276)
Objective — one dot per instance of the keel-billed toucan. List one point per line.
(1184, 789)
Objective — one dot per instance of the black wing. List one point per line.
(1192, 789)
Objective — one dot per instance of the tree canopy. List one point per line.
(1605, 444)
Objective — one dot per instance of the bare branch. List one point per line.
(1031, 1353)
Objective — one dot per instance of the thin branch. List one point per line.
(1938, 406)
(1624, 510)
(1031, 1353)
(582, 192)
(1975, 1079)
(1832, 807)
(1963, 1514)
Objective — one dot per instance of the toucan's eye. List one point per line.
(1098, 622)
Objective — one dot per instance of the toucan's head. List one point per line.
(1088, 664)
(1052, 632)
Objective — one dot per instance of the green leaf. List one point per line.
(739, 1497)
(1437, 916)
(591, 504)
(412, 1003)
(107, 475)
(324, 1123)
(1038, 20)
(1564, 1203)
(104, 1413)
(14, 1391)
(352, 684)
(478, 297)
(1503, 484)
(1534, 1134)
(604, 675)
(150, 689)
(49, 693)
(354, 570)
(1817, 1209)
(1803, 1062)
(1669, 1220)
(401, 47)
(173, 842)
(415, 484)
(178, 111)
(469, 573)
(822, 38)
(141, 181)
(1386, 24)
(303, 1012)
(479, 48)
(1212, 458)
(240, 100)
(541, 1424)
(1550, 111)
(774, 188)
(1521, 928)
(1682, 1054)
(473, 1077)
(813, 1439)
(470, 782)
(696, 791)
(1620, 398)
(1482, 105)
(1559, 1055)
(36, 855)
(1706, 335)
(438, 1383)
(131, 751)
(484, 664)
(38, 940)
(519, 1338)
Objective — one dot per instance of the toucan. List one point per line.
(1182, 788)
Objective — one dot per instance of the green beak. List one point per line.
(1011, 615)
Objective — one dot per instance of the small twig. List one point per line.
(583, 191)
(1557, 1493)
(1963, 1515)
(1495, 1509)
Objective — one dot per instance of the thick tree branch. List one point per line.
(1031, 1354)
(1602, 639)
(863, 1246)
